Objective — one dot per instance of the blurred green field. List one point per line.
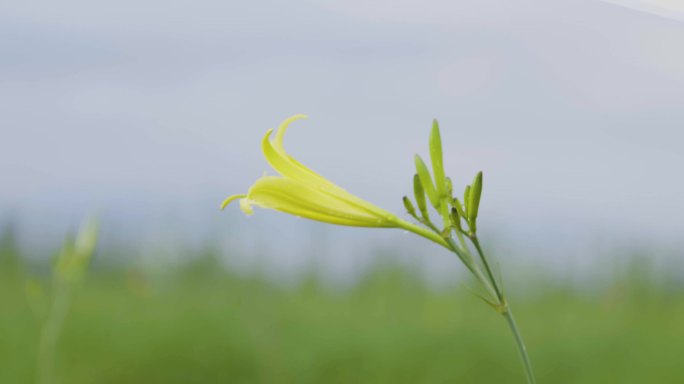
(201, 324)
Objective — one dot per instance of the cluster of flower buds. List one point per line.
(456, 214)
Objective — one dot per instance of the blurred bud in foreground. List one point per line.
(69, 267)
(76, 254)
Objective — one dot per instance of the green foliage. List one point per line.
(207, 324)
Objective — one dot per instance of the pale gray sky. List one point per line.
(152, 112)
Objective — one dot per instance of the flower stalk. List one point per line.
(302, 192)
(463, 223)
(68, 272)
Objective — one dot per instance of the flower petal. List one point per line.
(290, 168)
(286, 167)
(299, 199)
(283, 127)
(246, 206)
(230, 199)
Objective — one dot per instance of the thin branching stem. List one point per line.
(507, 313)
(485, 262)
(472, 267)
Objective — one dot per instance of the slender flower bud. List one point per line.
(409, 206)
(437, 160)
(475, 194)
(426, 180)
(77, 253)
(459, 207)
(419, 193)
(466, 200)
(449, 187)
(456, 219)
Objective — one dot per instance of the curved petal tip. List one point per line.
(292, 118)
(267, 136)
(229, 199)
(283, 127)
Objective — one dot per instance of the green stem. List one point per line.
(506, 312)
(489, 282)
(521, 346)
(499, 292)
(424, 232)
(49, 335)
(466, 258)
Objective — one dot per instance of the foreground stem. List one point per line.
(485, 262)
(488, 281)
(521, 346)
(506, 312)
(49, 336)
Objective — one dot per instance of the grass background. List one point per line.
(204, 324)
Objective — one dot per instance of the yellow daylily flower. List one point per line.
(302, 192)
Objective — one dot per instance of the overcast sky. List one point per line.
(152, 112)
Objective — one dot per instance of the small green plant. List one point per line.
(68, 271)
(302, 192)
